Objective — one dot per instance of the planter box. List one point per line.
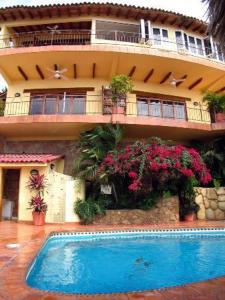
(165, 211)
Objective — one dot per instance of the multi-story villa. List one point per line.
(58, 62)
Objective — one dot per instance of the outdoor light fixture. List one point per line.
(17, 94)
(196, 104)
(34, 172)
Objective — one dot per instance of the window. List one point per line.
(195, 45)
(199, 46)
(208, 47)
(62, 103)
(160, 36)
(179, 39)
(161, 108)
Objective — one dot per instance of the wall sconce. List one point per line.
(17, 94)
(196, 104)
(52, 167)
(34, 172)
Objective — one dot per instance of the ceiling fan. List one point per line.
(57, 73)
(53, 29)
(173, 81)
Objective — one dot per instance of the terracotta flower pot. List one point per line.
(189, 217)
(38, 218)
(220, 117)
(118, 110)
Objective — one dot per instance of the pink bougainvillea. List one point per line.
(143, 160)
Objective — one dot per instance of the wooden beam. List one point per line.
(30, 14)
(220, 90)
(68, 11)
(75, 71)
(21, 14)
(108, 11)
(127, 14)
(182, 23)
(59, 12)
(189, 25)
(93, 70)
(195, 83)
(173, 21)
(155, 18)
(3, 17)
(197, 27)
(24, 75)
(165, 77)
(183, 77)
(164, 19)
(49, 13)
(148, 76)
(40, 72)
(131, 73)
(39, 14)
(12, 15)
(118, 12)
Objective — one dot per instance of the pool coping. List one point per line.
(77, 233)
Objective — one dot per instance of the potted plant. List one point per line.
(119, 87)
(216, 105)
(37, 183)
(39, 208)
(190, 210)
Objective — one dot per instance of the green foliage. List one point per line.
(149, 201)
(187, 196)
(217, 183)
(88, 209)
(93, 147)
(215, 102)
(213, 154)
(120, 86)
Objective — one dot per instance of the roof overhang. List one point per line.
(21, 12)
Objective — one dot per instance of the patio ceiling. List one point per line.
(145, 69)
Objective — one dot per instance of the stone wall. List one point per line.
(165, 211)
(211, 202)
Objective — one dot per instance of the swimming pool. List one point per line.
(113, 262)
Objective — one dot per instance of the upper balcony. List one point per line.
(184, 46)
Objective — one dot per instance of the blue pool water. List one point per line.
(122, 262)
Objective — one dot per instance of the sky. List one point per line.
(193, 8)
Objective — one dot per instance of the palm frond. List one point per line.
(216, 15)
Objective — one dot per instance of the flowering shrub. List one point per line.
(37, 204)
(144, 162)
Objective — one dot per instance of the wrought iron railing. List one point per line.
(81, 104)
(84, 37)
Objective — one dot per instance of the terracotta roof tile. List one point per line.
(28, 158)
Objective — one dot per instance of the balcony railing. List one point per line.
(88, 105)
(84, 37)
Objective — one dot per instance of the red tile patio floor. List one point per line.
(14, 265)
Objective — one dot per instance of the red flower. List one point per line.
(133, 186)
(187, 172)
(132, 174)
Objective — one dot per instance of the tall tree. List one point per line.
(216, 14)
